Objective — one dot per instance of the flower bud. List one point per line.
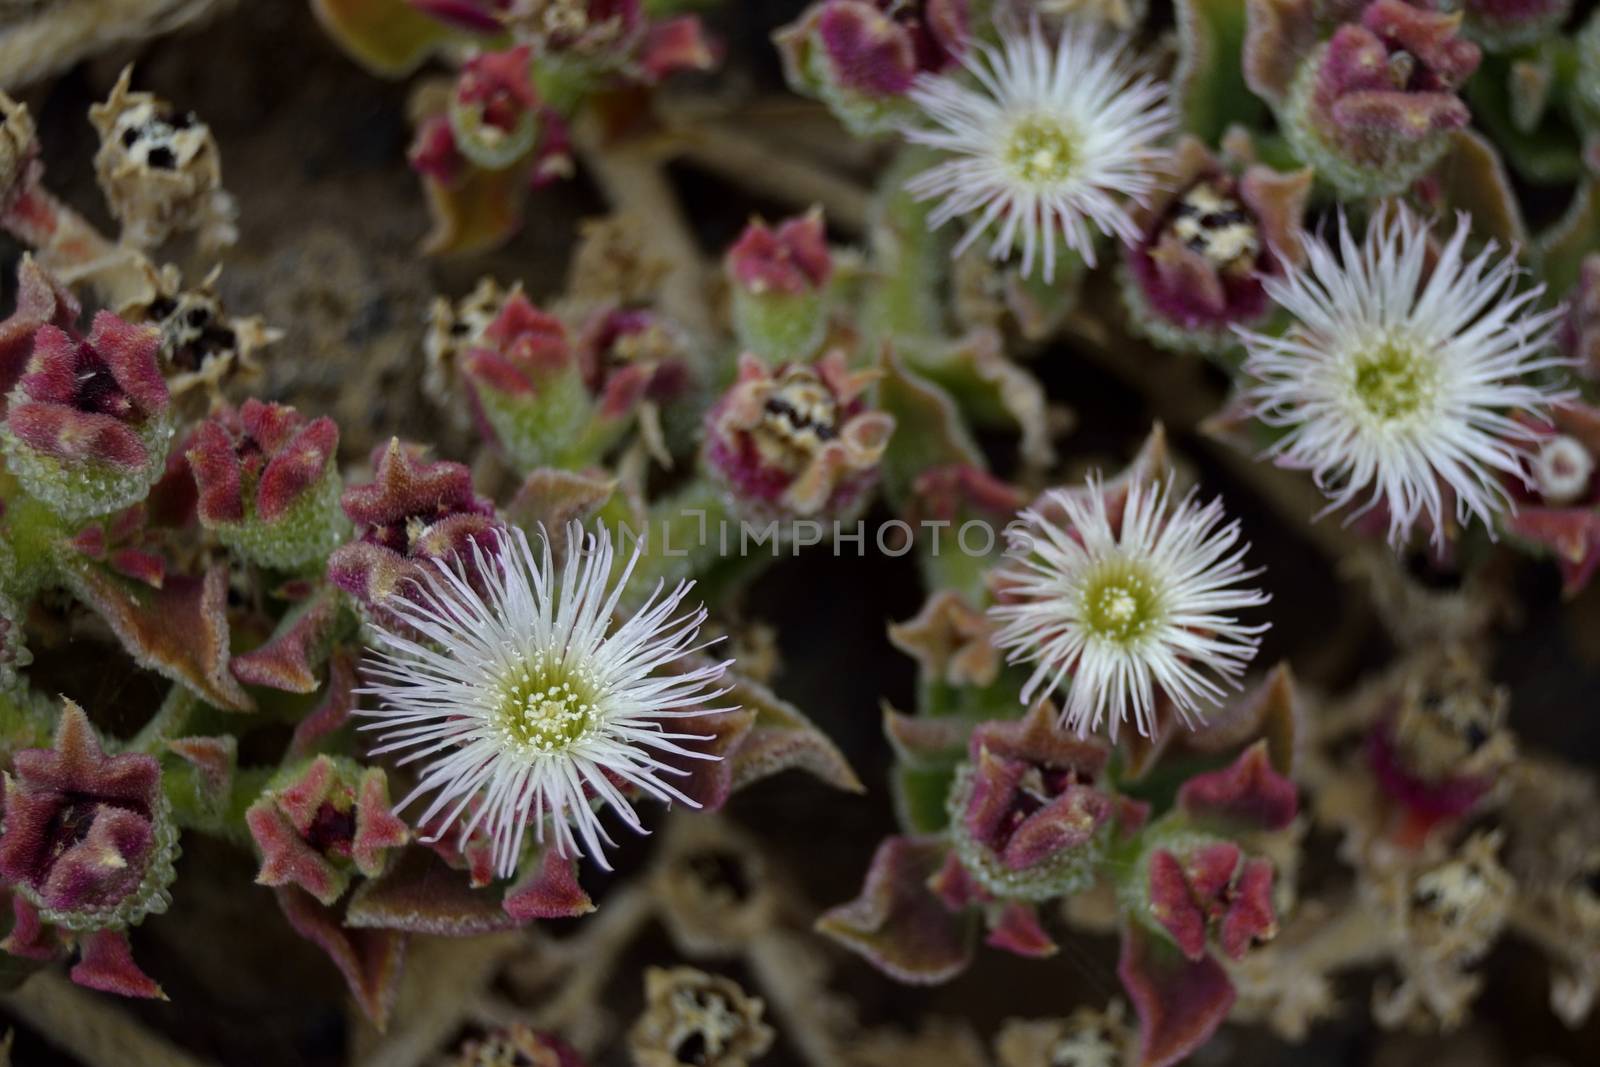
(861, 56)
(268, 484)
(531, 394)
(1027, 817)
(88, 425)
(1372, 109)
(321, 823)
(796, 441)
(412, 514)
(1206, 890)
(494, 111)
(88, 838)
(780, 284)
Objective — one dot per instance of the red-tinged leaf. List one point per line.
(782, 738)
(378, 829)
(30, 938)
(287, 860)
(1017, 929)
(1180, 1002)
(1571, 535)
(548, 889)
(289, 659)
(334, 710)
(897, 922)
(180, 630)
(1247, 794)
(370, 960)
(106, 963)
(422, 895)
(477, 213)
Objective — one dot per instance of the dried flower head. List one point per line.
(694, 1019)
(1402, 380)
(160, 169)
(797, 440)
(1128, 597)
(517, 1045)
(204, 349)
(516, 689)
(1047, 146)
(19, 150)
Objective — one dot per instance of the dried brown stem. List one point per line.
(757, 166)
(632, 179)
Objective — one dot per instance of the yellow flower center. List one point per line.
(547, 707)
(1394, 380)
(1042, 150)
(1121, 603)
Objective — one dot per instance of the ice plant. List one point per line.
(779, 279)
(1127, 596)
(1205, 243)
(1047, 145)
(862, 57)
(797, 441)
(1402, 379)
(89, 423)
(267, 483)
(518, 692)
(1373, 109)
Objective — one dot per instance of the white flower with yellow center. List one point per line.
(1047, 142)
(1400, 382)
(1128, 605)
(526, 706)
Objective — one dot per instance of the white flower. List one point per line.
(1401, 380)
(1049, 141)
(1127, 605)
(524, 705)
